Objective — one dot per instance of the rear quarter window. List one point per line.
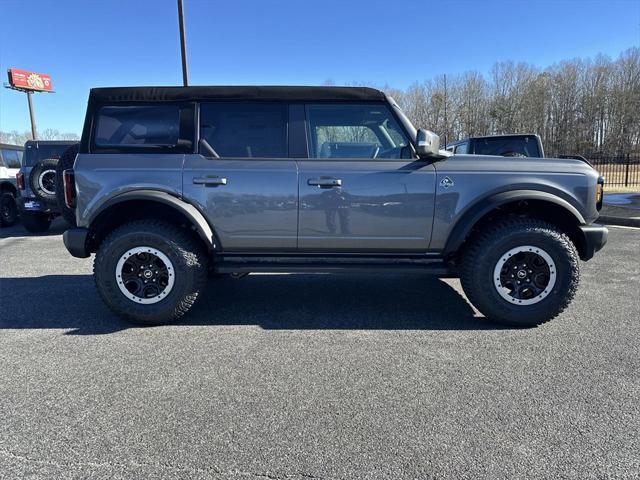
(137, 126)
(36, 152)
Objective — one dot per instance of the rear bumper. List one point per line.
(75, 239)
(32, 204)
(594, 238)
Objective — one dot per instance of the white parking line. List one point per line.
(623, 226)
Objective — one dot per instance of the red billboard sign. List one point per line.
(23, 79)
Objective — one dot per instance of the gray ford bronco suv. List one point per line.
(174, 183)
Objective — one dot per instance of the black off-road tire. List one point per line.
(487, 248)
(44, 188)
(8, 210)
(36, 222)
(185, 252)
(66, 161)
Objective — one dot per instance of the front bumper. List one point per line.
(594, 238)
(75, 239)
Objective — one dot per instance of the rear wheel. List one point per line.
(36, 222)
(8, 210)
(521, 272)
(150, 272)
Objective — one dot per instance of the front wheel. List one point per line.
(521, 272)
(150, 272)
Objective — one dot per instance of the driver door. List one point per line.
(361, 189)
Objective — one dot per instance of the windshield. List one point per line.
(512, 146)
(34, 154)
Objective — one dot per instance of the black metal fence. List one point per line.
(618, 170)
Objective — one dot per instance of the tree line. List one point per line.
(584, 106)
(19, 138)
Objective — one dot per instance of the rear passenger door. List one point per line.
(362, 189)
(242, 178)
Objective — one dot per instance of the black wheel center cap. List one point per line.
(521, 274)
(147, 274)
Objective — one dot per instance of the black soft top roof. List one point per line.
(252, 93)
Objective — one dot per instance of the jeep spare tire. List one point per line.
(43, 180)
(66, 161)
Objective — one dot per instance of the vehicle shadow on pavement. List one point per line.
(58, 226)
(273, 302)
(56, 302)
(349, 302)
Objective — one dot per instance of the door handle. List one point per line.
(212, 181)
(325, 182)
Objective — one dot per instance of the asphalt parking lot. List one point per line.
(315, 376)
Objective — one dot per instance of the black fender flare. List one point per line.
(197, 219)
(479, 209)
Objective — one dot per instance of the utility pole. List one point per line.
(183, 45)
(32, 116)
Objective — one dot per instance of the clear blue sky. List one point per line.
(89, 43)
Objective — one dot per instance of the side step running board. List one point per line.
(246, 265)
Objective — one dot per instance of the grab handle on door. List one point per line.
(324, 182)
(211, 181)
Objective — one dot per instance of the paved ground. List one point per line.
(314, 376)
(626, 200)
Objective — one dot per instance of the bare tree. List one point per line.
(576, 106)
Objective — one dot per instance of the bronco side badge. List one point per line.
(446, 182)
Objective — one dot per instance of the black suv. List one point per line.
(512, 145)
(38, 201)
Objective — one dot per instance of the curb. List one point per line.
(621, 221)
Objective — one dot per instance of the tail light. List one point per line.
(599, 193)
(20, 180)
(69, 182)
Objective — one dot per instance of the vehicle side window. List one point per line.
(245, 130)
(125, 126)
(355, 131)
(11, 158)
(462, 148)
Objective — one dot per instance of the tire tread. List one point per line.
(189, 249)
(478, 245)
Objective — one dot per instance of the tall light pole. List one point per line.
(183, 45)
(32, 116)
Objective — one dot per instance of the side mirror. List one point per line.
(428, 143)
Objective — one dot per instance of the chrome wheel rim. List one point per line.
(524, 275)
(47, 182)
(145, 275)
